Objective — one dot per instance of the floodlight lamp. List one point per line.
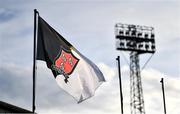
(127, 33)
(152, 35)
(121, 44)
(140, 46)
(146, 46)
(139, 34)
(153, 47)
(121, 32)
(146, 35)
(133, 33)
(130, 44)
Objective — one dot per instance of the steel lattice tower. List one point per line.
(136, 92)
(138, 40)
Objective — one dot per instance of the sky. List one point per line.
(89, 26)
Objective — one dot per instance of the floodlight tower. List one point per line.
(138, 40)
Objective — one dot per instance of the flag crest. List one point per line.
(65, 62)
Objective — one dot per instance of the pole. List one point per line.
(120, 85)
(34, 63)
(162, 82)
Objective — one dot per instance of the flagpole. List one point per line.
(162, 82)
(120, 84)
(34, 62)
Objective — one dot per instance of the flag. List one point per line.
(73, 72)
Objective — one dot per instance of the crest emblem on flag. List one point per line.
(65, 63)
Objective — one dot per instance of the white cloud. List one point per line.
(107, 96)
(108, 72)
(51, 99)
(153, 92)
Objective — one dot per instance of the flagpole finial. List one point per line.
(117, 58)
(161, 80)
(35, 10)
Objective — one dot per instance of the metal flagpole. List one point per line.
(120, 85)
(162, 82)
(34, 62)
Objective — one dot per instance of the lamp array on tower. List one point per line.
(135, 38)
